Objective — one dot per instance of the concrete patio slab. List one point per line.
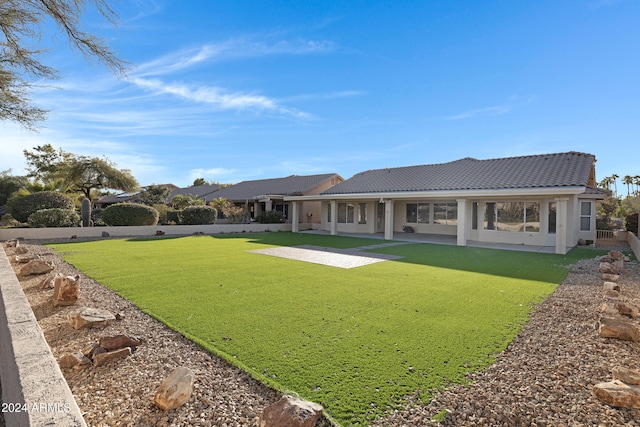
(341, 258)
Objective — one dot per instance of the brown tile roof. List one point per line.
(545, 170)
(288, 186)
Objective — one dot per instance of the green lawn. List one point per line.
(354, 340)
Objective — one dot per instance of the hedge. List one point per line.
(54, 217)
(130, 214)
(198, 215)
(22, 207)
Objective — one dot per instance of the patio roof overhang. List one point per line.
(445, 194)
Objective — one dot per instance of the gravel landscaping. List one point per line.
(543, 378)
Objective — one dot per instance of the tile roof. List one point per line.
(546, 170)
(291, 185)
(198, 191)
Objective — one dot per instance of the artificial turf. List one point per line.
(358, 340)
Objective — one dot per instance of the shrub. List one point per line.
(23, 206)
(198, 215)
(173, 216)
(130, 214)
(631, 223)
(54, 217)
(96, 216)
(272, 217)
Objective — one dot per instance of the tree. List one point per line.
(628, 180)
(198, 182)
(181, 201)
(84, 174)
(154, 195)
(22, 24)
(43, 162)
(10, 184)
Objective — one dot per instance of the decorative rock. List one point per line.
(616, 255)
(159, 233)
(626, 375)
(21, 250)
(48, 281)
(608, 268)
(616, 328)
(176, 389)
(35, 267)
(110, 356)
(70, 360)
(610, 277)
(105, 234)
(618, 263)
(612, 286)
(290, 411)
(13, 243)
(627, 310)
(23, 259)
(117, 342)
(65, 290)
(617, 393)
(612, 295)
(85, 317)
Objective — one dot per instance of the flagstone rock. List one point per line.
(610, 277)
(48, 282)
(86, 317)
(110, 356)
(626, 375)
(176, 389)
(611, 327)
(21, 250)
(617, 393)
(35, 267)
(615, 255)
(612, 286)
(608, 268)
(65, 290)
(290, 411)
(23, 259)
(118, 341)
(70, 360)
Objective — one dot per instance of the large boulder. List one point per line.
(612, 327)
(626, 375)
(290, 411)
(85, 317)
(617, 393)
(608, 268)
(65, 290)
(35, 267)
(175, 390)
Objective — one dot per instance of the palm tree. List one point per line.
(613, 179)
(636, 182)
(628, 180)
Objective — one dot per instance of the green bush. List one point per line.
(130, 214)
(272, 217)
(23, 206)
(198, 215)
(96, 216)
(173, 216)
(54, 217)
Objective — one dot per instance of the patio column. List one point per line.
(256, 209)
(333, 205)
(462, 222)
(561, 225)
(268, 206)
(388, 220)
(294, 216)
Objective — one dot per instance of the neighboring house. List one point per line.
(268, 194)
(112, 199)
(541, 200)
(198, 191)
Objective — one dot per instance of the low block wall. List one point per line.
(34, 391)
(142, 231)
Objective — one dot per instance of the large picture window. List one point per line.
(513, 216)
(418, 213)
(445, 213)
(346, 213)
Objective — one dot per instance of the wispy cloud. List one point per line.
(496, 110)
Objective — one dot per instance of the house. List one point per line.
(262, 195)
(540, 200)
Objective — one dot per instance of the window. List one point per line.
(585, 216)
(345, 213)
(418, 213)
(283, 209)
(513, 216)
(445, 213)
(329, 212)
(474, 216)
(362, 214)
(552, 218)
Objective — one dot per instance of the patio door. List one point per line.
(380, 218)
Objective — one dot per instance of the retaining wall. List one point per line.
(34, 391)
(142, 231)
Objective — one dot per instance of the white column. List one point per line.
(561, 225)
(294, 216)
(462, 222)
(268, 206)
(388, 220)
(333, 205)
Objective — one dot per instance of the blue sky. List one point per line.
(238, 90)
